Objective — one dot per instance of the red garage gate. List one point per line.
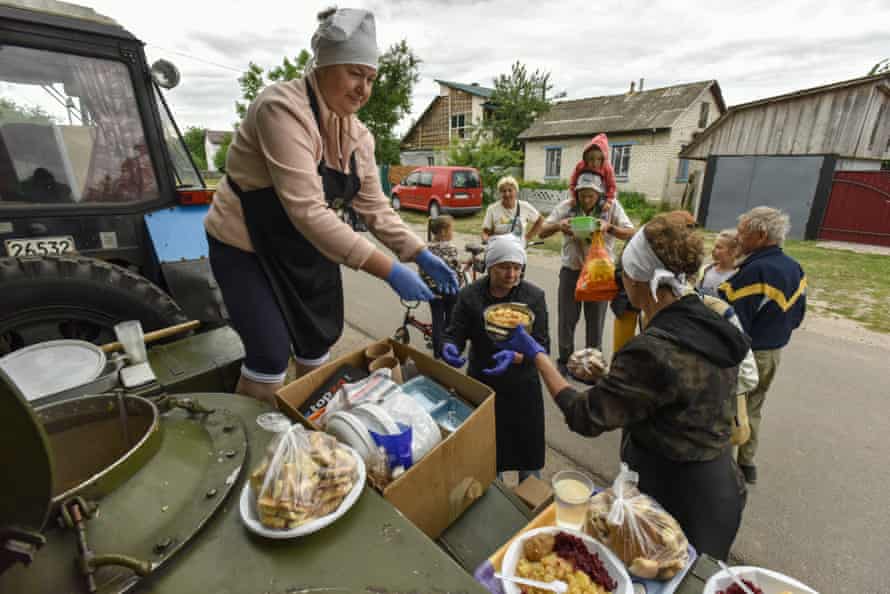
(858, 208)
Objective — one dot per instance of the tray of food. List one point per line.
(552, 553)
(305, 482)
(502, 318)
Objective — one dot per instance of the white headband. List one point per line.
(640, 263)
(504, 248)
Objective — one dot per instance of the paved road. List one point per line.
(820, 509)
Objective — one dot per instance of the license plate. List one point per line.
(40, 246)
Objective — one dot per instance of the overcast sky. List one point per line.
(754, 49)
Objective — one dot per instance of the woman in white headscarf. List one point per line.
(672, 388)
(276, 239)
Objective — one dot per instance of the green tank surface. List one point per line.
(144, 498)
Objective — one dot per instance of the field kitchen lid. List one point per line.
(53, 366)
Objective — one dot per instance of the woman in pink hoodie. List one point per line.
(595, 159)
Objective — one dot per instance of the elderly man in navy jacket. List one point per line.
(769, 295)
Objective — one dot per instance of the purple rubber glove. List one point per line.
(503, 360)
(452, 355)
(521, 342)
(408, 284)
(439, 271)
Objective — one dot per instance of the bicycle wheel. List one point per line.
(401, 335)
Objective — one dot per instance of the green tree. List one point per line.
(491, 157)
(398, 70)
(219, 159)
(882, 67)
(254, 79)
(397, 73)
(194, 142)
(12, 112)
(518, 99)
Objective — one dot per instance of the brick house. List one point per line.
(454, 113)
(646, 129)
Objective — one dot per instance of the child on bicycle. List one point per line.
(439, 233)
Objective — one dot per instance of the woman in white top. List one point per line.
(723, 265)
(510, 215)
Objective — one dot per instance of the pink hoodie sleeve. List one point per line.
(609, 179)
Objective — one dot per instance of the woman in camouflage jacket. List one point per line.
(672, 388)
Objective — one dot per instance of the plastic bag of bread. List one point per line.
(304, 475)
(587, 365)
(646, 538)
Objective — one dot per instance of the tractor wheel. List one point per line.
(47, 298)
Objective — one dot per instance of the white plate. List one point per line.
(771, 582)
(350, 431)
(53, 366)
(613, 565)
(252, 521)
(376, 419)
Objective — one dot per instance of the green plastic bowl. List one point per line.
(583, 226)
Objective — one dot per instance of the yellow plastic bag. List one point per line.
(597, 279)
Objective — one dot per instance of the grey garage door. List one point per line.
(737, 184)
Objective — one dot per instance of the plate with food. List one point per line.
(553, 553)
(502, 318)
(758, 580)
(307, 492)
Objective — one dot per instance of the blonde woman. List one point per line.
(722, 266)
(511, 215)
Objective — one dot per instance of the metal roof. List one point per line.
(473, 89)
(736, 109)
(64, 15)
(656, 109)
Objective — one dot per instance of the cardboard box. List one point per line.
(535, 493)
(443, 484)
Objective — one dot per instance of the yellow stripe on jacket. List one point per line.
(777, 295)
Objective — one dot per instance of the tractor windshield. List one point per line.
(183, 167)
(70, 131)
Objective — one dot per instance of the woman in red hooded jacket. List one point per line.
(595, 159)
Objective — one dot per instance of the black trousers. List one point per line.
(706, 498)
(441, 309)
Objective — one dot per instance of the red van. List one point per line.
(437, 190)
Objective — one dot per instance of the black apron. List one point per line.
(518, 400)
(308, 287)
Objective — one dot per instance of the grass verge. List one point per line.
(840, 282)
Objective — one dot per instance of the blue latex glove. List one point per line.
(408, 284)
(452, 355)
(521, 342)
(439, 271)
(503, 360)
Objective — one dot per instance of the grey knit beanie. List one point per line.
(345, 36)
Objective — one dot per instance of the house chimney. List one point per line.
(632, 85)
(641, 84)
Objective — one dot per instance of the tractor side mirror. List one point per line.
(165, 74)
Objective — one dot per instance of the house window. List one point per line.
(703, 115)
(683, 167)
(430, 160)
(621, 160)
(553, 159)
(459, 125)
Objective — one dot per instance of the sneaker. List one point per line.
(750, 472)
